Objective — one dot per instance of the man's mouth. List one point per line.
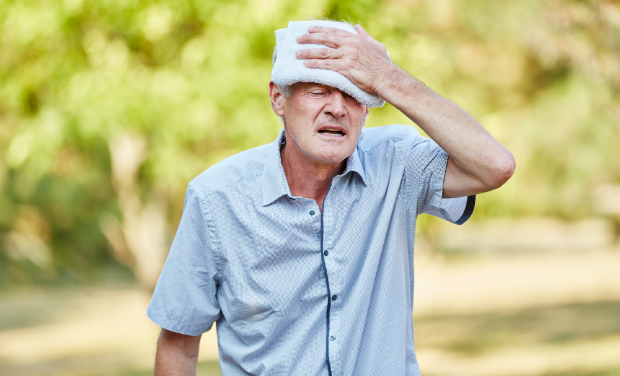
(332, 132)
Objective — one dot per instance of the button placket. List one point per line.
(330, 261)
(335, 340)
(335, 282)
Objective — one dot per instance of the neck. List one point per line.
(307, 178)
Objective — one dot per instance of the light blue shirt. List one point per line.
(297, 291)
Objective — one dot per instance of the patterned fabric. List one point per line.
(297, 291)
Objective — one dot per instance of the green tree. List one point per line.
(109, 108)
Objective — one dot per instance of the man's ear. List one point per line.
(366, 112)
(277, 99)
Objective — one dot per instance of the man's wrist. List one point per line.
(395, 85)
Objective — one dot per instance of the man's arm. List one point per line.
(177, 354)
(477, 163)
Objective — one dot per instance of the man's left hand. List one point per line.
(358, 57)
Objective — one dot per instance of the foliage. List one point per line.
(184, 84)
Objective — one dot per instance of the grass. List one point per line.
(476, 334)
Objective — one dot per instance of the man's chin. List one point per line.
(334, 156)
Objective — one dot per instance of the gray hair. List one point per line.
(286, 90)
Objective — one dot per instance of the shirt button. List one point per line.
(332, 338)
(334, 297)
(326, 253)
(311, 212)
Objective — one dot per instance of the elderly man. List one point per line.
(302, 250)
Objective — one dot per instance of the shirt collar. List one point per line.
(274, 179)
(355, 164)
(275, 184)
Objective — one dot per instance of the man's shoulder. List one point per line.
(396, 135)
(240, 167)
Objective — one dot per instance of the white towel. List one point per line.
(288, 69)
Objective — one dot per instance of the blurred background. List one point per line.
(108, 109)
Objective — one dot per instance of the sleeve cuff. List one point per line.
(469, 210)
(174, 326)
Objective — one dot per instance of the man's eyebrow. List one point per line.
(317, 86)
(347, 95)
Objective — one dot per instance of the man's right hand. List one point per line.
(177, 354)
(358, 57)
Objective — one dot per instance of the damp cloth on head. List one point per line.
(288, 69)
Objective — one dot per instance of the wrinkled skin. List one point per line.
(324, 123)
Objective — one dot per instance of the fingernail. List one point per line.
(306, 62)
(299, 38)
(298, 53)
(311, 29)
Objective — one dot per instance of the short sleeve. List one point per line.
(185, 298)
(426, 167)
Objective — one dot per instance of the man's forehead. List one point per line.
(311, 85)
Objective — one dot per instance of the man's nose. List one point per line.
(336, 106)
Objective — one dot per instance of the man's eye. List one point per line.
(351, 99)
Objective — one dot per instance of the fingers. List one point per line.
(369, 37)
(330, 30)
(332, 37)
(327, 39)
(333, 65)
(319, 53)
(360, 30)
(338, 66)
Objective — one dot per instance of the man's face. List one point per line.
(324, 123)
